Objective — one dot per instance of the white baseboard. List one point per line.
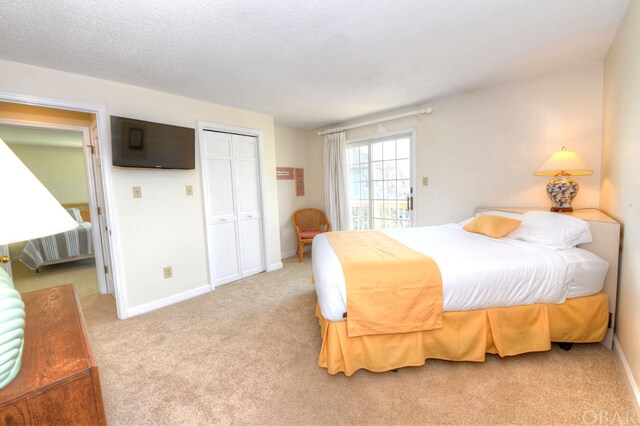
(274, 266)
(152, 306)
(287, 254)
(629, 379)
(291, 253)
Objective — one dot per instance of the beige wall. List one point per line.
(292, 150)
(620, 191)
(61, 170)
(165, 227)
(481, 148)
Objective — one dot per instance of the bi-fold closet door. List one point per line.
(231, 177)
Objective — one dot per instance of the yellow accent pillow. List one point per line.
(492, 226)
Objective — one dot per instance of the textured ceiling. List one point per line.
(310, 63)
(30, 136)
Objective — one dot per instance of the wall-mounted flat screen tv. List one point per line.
(137, 143)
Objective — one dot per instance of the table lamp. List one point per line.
(27, 211)
(562, 189)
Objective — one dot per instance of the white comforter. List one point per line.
(477, 271)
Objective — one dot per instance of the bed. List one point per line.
(83, 209)
(509, 297)
(76, 244)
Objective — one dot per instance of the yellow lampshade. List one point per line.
(563, 162)
(28, 208)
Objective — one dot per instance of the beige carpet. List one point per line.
(247, 353)
(82, 273)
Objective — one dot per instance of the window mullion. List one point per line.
(370, 144)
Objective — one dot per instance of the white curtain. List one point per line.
(336, 190)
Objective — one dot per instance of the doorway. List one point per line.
(83, 123)
(56, 158)
(381, 181)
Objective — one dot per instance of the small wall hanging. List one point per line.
(284, 172)
(299, 182)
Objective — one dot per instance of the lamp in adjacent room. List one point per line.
(27, 211)
(562, 189)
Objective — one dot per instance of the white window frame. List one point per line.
(387, 135)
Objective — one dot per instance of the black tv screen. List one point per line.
(137, 143)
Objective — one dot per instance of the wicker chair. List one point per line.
(308, 224)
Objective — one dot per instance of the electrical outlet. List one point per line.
(425, 181)
(189, 190)
(168, 273)
(137, 192)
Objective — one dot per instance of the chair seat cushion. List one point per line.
(308, 235)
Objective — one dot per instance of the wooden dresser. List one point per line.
(58, 382)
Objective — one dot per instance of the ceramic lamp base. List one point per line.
(12, 318)
(562, 190)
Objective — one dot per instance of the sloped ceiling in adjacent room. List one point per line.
(30, 136)
(310, 63)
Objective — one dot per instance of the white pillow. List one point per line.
(492, 212)
(555, 230)
(499, 213)
(75, 214)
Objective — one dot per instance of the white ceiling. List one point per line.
(31, 136)
(310, 63)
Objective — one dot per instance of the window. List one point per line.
(381, 182)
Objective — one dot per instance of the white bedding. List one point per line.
(477, 271)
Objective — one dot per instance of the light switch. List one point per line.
(189, 190)
(425, 181)
(137, 192)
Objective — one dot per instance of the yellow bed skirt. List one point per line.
(467, 336)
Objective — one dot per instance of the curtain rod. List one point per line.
(416, 112)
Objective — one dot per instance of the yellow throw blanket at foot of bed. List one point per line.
(390, 287)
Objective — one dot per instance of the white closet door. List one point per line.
(224, 252)
(251, 247)
(221, 212)
(231, 176)
(245, 152)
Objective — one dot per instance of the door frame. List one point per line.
(412, 134)
(225, 128)
(107, 182)
(86, 141)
